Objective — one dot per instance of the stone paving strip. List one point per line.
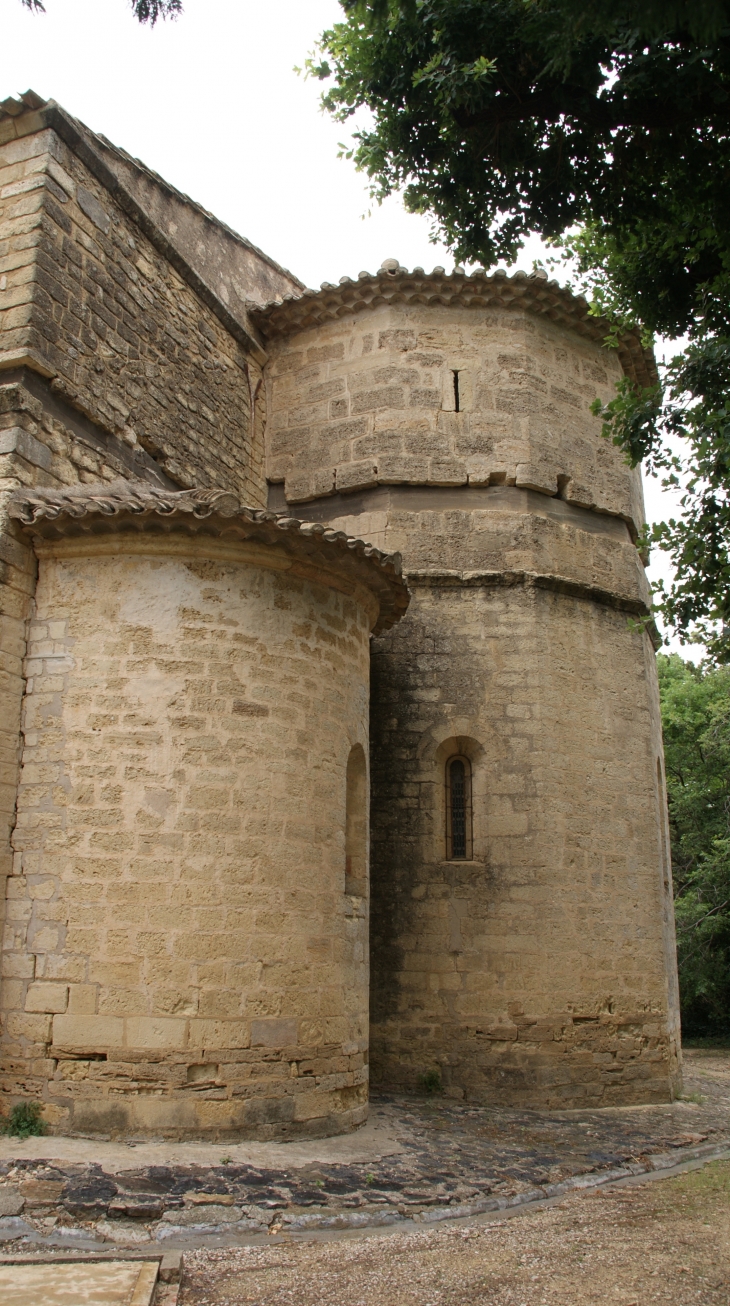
(111, 1283)
(419, 1161)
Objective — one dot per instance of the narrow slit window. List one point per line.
(458, 810)
(456, 392)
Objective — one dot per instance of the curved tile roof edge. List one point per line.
(478, 289)
(25, 103)
(44, 508)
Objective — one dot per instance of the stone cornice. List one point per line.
(458, 580)
(396, 285)
(134, 508)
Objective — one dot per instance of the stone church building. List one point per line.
(330, 730)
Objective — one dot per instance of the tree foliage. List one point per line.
(696, 721)
(505, 117)
(604, 126)
(683, 434)
(146, 11)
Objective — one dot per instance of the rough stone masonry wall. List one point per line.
(182, 956)
(369, 400)
(538, 971)
(110, 366)
(17, 584)
(37, 448)
(91, 302)
(239, 273)
(541, 971)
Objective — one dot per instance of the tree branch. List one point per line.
(694, 924)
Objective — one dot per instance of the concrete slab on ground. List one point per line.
(108, 1283)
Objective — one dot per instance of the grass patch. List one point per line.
(700, 1189)
(431, 1082)
(716, 1043)
(25, 1121)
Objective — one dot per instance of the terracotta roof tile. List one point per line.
(394, 284)
(127, 506)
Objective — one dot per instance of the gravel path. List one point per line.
(663, 1242)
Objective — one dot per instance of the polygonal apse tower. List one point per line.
(522, 942)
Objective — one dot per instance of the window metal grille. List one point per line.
(458, 809)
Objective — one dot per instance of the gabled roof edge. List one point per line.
(193, 204)
(74, 136)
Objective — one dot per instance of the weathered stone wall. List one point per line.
(46, 442)
(181, 951)
(498, 530)
(17, 584)
(537, 970)
(90, 301)
(237, 272)
(42, 442)
(111, 365)
(541, 970)
(443, 416)
(369, 400)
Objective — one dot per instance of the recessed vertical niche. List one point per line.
(356, 815)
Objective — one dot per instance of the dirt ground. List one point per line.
(666, 1241)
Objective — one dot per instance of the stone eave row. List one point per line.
(478, 289)
(124, 507)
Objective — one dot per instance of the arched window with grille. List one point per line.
(458, 809)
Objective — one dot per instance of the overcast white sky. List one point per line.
(212, 102)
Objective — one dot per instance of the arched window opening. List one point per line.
(356, 815)
(458, 810)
